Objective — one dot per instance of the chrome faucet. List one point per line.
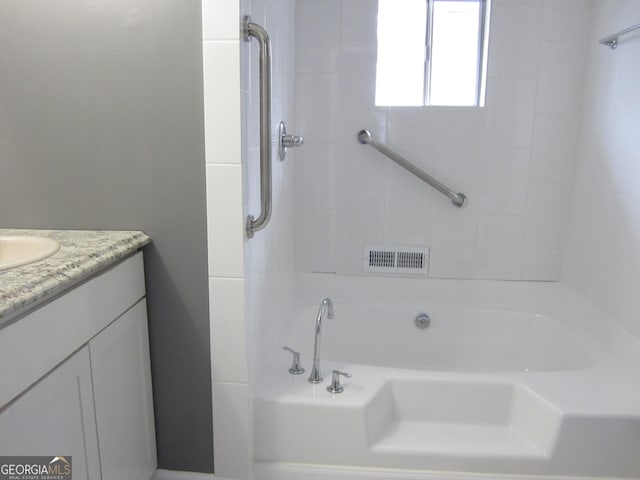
(326, 304)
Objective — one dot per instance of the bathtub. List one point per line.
(484, 390)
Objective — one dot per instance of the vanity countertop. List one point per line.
(82, 253)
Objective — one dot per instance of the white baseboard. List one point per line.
(288, 471)
(177, 475)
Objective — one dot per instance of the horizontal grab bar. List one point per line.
(458, 199)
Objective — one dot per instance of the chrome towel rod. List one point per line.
(254, 30)
(612, 40)
(458, 199)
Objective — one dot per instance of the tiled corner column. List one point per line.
(221, 52)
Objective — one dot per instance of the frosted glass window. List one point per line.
(431, 52)
(454, 53)
(401, 52)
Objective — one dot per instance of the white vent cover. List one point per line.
(396, 260)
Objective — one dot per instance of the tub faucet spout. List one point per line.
(327, 304)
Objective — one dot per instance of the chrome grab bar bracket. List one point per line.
(287, 141)
(458, 199)
(256, 31)
(612, 40)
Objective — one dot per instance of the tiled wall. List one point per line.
(514, 159)
(250, 281)
(603, 255)
(269, 255)
(230, 387)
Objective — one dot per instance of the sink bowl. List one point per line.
(18, 250)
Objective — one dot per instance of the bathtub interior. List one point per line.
(554, 407)
(458, 338)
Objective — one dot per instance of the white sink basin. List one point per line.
(17, 250)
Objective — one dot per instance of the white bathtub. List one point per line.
(485, 390)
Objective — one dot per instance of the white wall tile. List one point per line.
(510, 108)
(547, 215)
(499, 253)
(314, 185)
(566, 20)
(222, 101)
(228, 338)
(359, 19)
(505, 181)
(316, 106)
(555, 132)
(360, 182)
(630, 206)
(514, 38)
(221, 19)
(358, 58)
(225, 222)
(360, 174)
(354, 108)
(541, 264)
(251, 182)
(452, 227)
(407, 214)
(257, 9)
(356, 93)
(410, 126)
(626, 101)
(318, 26)
(231, 434)
(450, 262)
(561, 77)
(553, 164)
(426, 126)
(313, 241)
(458, 161)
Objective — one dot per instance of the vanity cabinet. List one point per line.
(56, 418)
(76, 381)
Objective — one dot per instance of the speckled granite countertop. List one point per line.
(82, 253)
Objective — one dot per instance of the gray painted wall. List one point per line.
(101, 127)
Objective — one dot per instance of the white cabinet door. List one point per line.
(123, 397)
(55, 417)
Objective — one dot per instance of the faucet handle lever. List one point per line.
(296, 368)
(335, 386)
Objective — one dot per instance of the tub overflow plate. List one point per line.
(423, 321)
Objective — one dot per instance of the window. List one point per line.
(431, 52)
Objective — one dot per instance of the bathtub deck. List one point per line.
(413, 438)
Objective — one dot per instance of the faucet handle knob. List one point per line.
(335, 386)
(296, 368)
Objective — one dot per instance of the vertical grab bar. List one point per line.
(254, 30)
